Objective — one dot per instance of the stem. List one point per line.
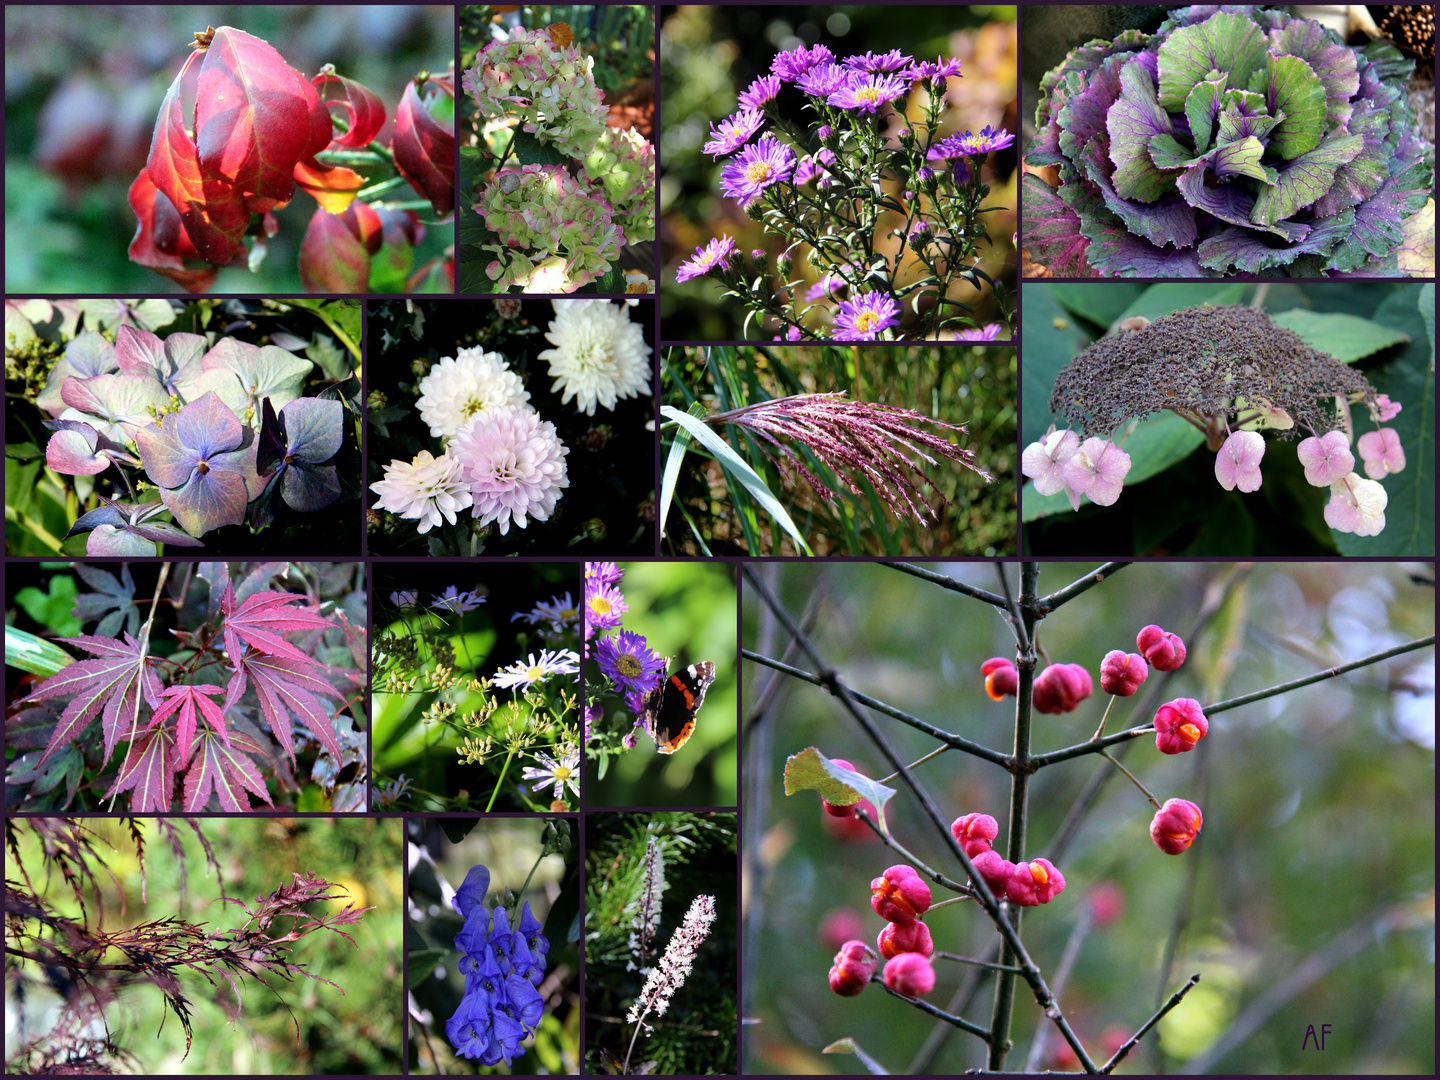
(640, 1020)
(939, 1014)
(929, 871)
(1114, 761)
(1101, 728)
(946, 582)
(503, 769)
(918, 761)
(971, 960)
(1130, 1043)
(1045, 605)
(1319, 676)
(367, 194)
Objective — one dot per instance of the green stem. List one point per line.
(1101, 728)
(368, 194)
(33, 527)
(1135, 780)
(503, 769)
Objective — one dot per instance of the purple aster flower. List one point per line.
(604, 604)
(762, 91)
(789, 66)
(941, 69)
(756, 168)
(986, 333)
(716, 253)
(812, 167)
(862, 319)
(828, 285)
(733, 132)
(602, 573)
(894, 60)
(971, 145)
(867, 95)
(791, 334)
(825, 79)
(628, 662)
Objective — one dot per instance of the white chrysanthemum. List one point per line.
(515, 466)
(460, 388)
(599, 354)
(427, 488)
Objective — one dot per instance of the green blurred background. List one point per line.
(708, 55)
(1319, 817)
(356, 1032)
(686, 610)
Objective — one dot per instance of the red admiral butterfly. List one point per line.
(669, 710)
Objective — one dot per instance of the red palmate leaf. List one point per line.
(287, 687)
(112, 685)
(185, 699)
(366, 111)
(256, 117)
(149, 772)
(424, 149)
(145, 249)
(260, 620)
(226, 770)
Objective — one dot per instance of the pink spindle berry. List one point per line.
(1107, 903)
(974, 832)
(1175, 826)
(1035, 882)
(1121, 673)
(840, 925)
(910, 974)
(1179, 725)
(842, 811)
(994, 869)
(854, 964)
(1001, 678)
(900, 894)
(1061, 687)
(899, 938)
(1164, 650)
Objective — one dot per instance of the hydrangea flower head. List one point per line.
(598, 356)
(515, 466)
(622, 165)
(757, 167)
(428, 489)
(551, 89)
(543, 209)
(468, 385)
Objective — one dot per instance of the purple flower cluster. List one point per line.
(625, 658)
(502, 967)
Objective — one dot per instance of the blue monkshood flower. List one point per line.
(471, 893)
(469, 1029)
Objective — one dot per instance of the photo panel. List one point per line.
(260, 945)
(661, 690)
(511, 427)
(493, 944)
(661, 941)
(477, 677)
(162, 687)
(1140, 765)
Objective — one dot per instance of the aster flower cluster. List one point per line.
(1229, 371)
(629, 666)
(501, 1006)
(553, 228)
(898, 217)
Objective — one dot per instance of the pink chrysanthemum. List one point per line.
(515, 466)
(733, 132)
(867, 95)
(426, 489)
(716, 253)
(863, 318)
(756, 168)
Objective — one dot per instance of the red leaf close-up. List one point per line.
(424, 148)
(364, 110)
(113, 683)
(334, 255)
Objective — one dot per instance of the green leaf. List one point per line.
(1297, 92)
(1100, 306)
(1225, 42)
(1164, 299)
(810, 770)
(52, 609)
(1426, 306)
(531, 151)
(1345, 337)
(27, 652)
(850, 1046)
(323, 350)
(1158, 443)
(1201, 106)
(1306, 178)
(423, 963)
(673, 460)
(736, 468)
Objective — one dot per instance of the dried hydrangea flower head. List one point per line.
(1215, 366)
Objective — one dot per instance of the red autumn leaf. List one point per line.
(366, 224)
(256, 117)
(402, 227)
(149, 771)
(185, 700)
(144, 249)
(333, 186)
(260, 620)
(424, 149)
(365, 111)
(226, 770)
(332, 258)
(111, 685)
(287, 688)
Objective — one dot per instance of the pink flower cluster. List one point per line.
(1061, 462)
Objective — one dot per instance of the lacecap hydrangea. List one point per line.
(502, 967)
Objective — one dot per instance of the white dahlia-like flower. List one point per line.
(427, 488)
(460, 388)
(515, 466)
(599, 354)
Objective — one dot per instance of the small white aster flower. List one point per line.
(515, 466)
(561, 773)
(599, 355)
(462, 387)
(526, 673)
(559, 613)
(428, 488)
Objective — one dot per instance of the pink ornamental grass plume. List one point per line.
(883, 444)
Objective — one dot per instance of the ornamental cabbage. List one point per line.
(1234, 139)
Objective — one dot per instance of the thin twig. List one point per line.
(1319, 676)
(978, 963)
(1047, 604)
(1175, 999)
(1021, 637)
(946, 582)
(935, 1011)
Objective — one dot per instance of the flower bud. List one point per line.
(783, 266)
(1035, 882)
(910, 974)
(829, 137)
(755, 210)
(841, 811)
(1001, 678)
(995, 870)
(1175, 826)
(853, 966)
(1061, 687)
(760, 257)
(905, 135)
(900, 894)
(376, 401)
(974, 832)
(1121, 673)
(960, 172)
(1179, 725)
(925, 177)
(899, 938)
(1164, 650)
(420, 367)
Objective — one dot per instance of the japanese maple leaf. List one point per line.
(261, 619)
(286, 687)
(111, 686)
(226, 769)
(185, 700)
(149, 771)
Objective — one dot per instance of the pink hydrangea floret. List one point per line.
(1382, 453)
(1238, 463)
(1098, 470)
(1356, 506)
(1326, 458)
(1044, 462)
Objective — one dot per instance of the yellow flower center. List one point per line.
(757, 171)
(866, 320)
(867, 93)
(600, 606)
